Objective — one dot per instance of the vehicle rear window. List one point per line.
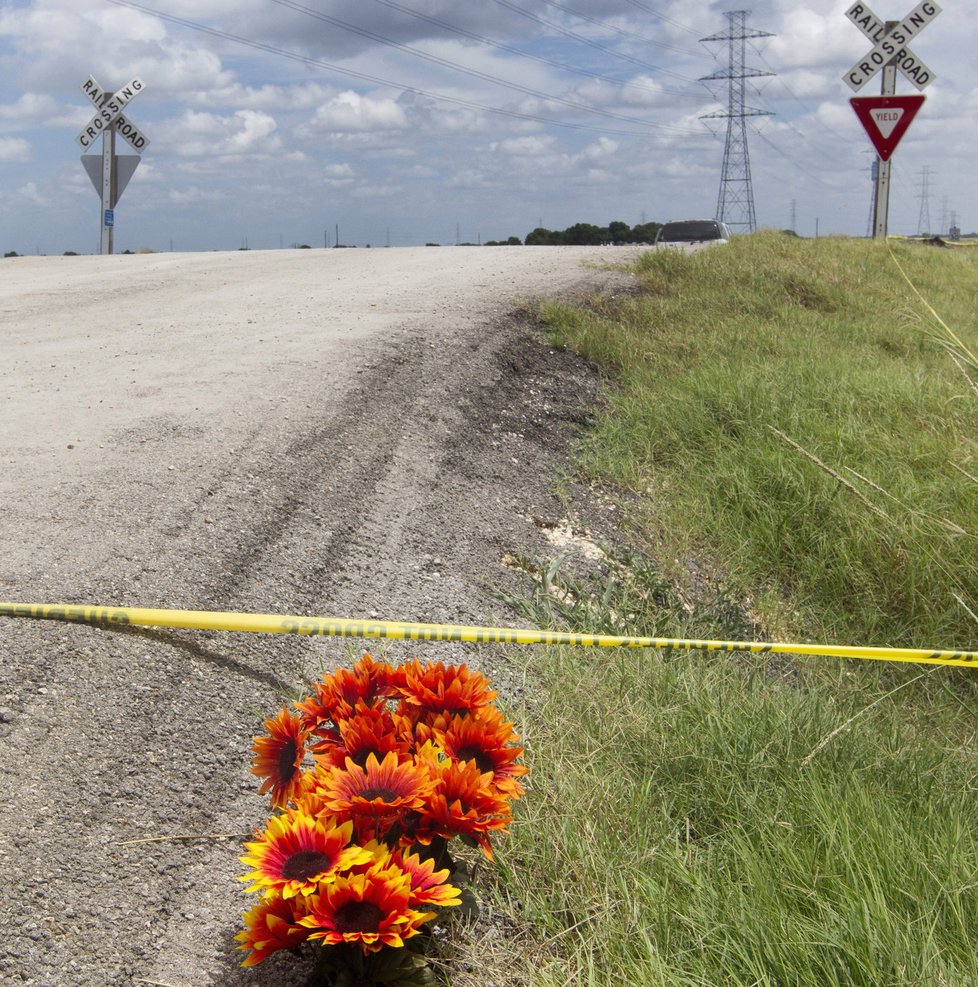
(690, 230)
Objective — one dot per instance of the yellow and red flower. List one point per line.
(428, 886)
(372, 909)
(369, 731)
(434, 692)
(485, 738)
(271, 925)
(379, 789)
(298, 852)
(337, 695)
(464, 804)
(278, 757)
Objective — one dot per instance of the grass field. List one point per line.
(792, 435)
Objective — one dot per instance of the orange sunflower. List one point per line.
(434, 691)
(298, 851)
(278, 757)
(428, 886)
(464, 804)
(372, 909)
(337, 696)
(272, 925)
(379, 789)
(368, 731)
(484, 737)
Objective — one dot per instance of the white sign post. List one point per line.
(890, 52)
(110, 173)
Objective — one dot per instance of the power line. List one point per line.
(621, 31)
(448, 63)
(815, 178)
(663, 17)
(376, 80)
(456, 66)
(587, 41)
(501, 46)
(829, 130)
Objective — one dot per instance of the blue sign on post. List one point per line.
(109, 218)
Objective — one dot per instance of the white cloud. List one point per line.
(603, 149)
(350, 112)
(213, 134)
(377, 192)
(15, 149)
(29, 108)
(339, 176)
(531, 146)
(29, 193)
(807, 38)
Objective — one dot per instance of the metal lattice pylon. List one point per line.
(735, 202)
(923, 220)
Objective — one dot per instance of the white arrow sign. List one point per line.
(110, 107)
(892, 45)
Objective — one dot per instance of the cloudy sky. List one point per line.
(273, 123)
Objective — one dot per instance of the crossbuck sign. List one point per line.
(109, 172)
(891, 45)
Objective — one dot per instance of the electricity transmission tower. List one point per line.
(735, 203)
(923, 220)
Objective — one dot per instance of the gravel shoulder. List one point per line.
(363, 433)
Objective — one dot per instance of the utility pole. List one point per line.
(873, 172)
(735, 202)
(794, 216)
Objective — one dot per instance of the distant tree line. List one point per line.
(586, 234)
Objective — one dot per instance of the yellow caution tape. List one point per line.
(969, 242)
(403, 631)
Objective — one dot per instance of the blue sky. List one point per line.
(272, 123)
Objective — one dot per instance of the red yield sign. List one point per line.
(886, 119)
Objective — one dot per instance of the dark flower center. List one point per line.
(358, 916)
(286, 760)
(384, 794)
(473, 753)
(359, 757)
(305, 865)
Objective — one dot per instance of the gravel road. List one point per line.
(359, 433)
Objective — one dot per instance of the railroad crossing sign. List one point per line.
(891, 44)
(109, 172)
(109, 113)
(886, 119)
